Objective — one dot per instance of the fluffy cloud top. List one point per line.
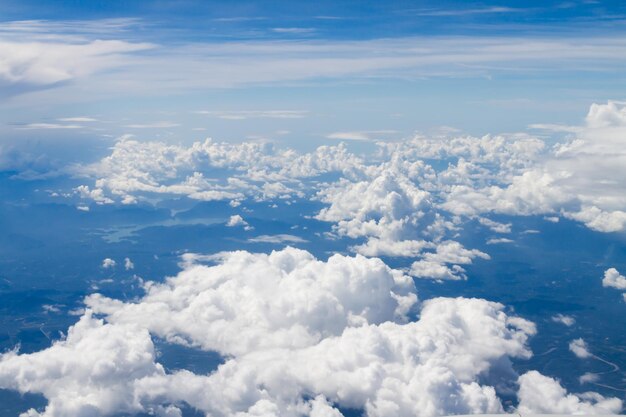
(612, 278)
(108, 263)
(539, 394)
(300, 337)
(250, 301)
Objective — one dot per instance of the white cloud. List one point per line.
(108, 263)
(495, 226)
(45, 63)
(496, 241)
(280, 238)
(612, 278)
(236, 220)
(366, 135)
(579, 348)
(128, 264)
(294, 30)
(564, 319)
(539, 394)
(135, 170)
(49, 54)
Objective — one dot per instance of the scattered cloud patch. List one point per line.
(108, 263)
(128, 264)
(280, 238)
(564, 319)
(579, 348)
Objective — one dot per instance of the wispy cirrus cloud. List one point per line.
(38, 126)
(254, 114)
(364, 135)
(72, 56)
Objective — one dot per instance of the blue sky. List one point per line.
(303, 73)
(342, 202)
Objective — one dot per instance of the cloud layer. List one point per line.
(299, 337)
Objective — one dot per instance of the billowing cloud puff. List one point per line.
(108, 263)
(382, 207)
(539, 394)
(252, 301)
(207, 170)
(581, 178)
(612, 278)
(300, 337)
(445, 262)
(425, 368)
(89, 373)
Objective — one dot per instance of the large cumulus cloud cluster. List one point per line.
(410, 198)
(300, 337)
(207, 171)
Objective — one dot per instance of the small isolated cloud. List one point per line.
(496, 241)
(108, 263)
(445, 263)
(495, 226)
(613, 279)
(588, 377)
(579, 348)
(539, 394)
(563, 319)
(128, 264)
(236, 220)
(280, 238)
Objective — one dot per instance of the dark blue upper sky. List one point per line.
(184, 70)
(196, 20)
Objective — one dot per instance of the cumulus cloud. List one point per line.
(108, 263)
(445, 262)
(280, 238)
(287, 298)
(237, 221)
(539, 394)
(90, 372)
(613, 279)
(45, 63)
(579, 348)
(299, 336)
(207, 171)
(580, 178)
